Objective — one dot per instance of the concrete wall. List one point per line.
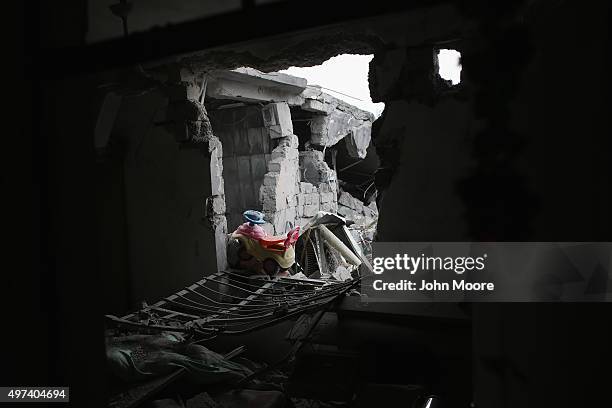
(265, 172)
(296, 187)
(280, 187)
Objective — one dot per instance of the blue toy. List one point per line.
(253, 217)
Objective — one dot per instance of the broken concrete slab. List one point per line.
(353, 208)
(329, 130)
(317, 101)
(285, 81)
(358, 140)
(349, 201)
(247, 92)
(316, 106)
(314, 169)
(277, 119)
(250, 85)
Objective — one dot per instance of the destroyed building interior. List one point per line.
(171, 148)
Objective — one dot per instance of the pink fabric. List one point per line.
(292, 236)
(254, 231)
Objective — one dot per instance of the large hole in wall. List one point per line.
(345, 77)
(297, 142)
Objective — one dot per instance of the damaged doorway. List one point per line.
(297, 142)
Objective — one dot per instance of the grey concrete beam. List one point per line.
(287, 84)
(223, 86)
(276, 79)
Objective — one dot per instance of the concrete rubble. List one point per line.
(299, 179)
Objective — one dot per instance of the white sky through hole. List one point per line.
(450, 66)
(343, 74)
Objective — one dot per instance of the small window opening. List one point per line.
(449, 65)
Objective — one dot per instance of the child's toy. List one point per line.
(251, 248)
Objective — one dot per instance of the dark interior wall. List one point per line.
(518, 154)
(560, 108)
(59, 305)
(113, 249)
(514, 152)
(420, 202)
(147, 14)
(116, 227)
(169, 243)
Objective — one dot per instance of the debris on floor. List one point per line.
(327, 249)
(139, 357)
(158, 342)
(252, 398)
(324, 248)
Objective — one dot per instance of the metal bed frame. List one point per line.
(230, 303)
